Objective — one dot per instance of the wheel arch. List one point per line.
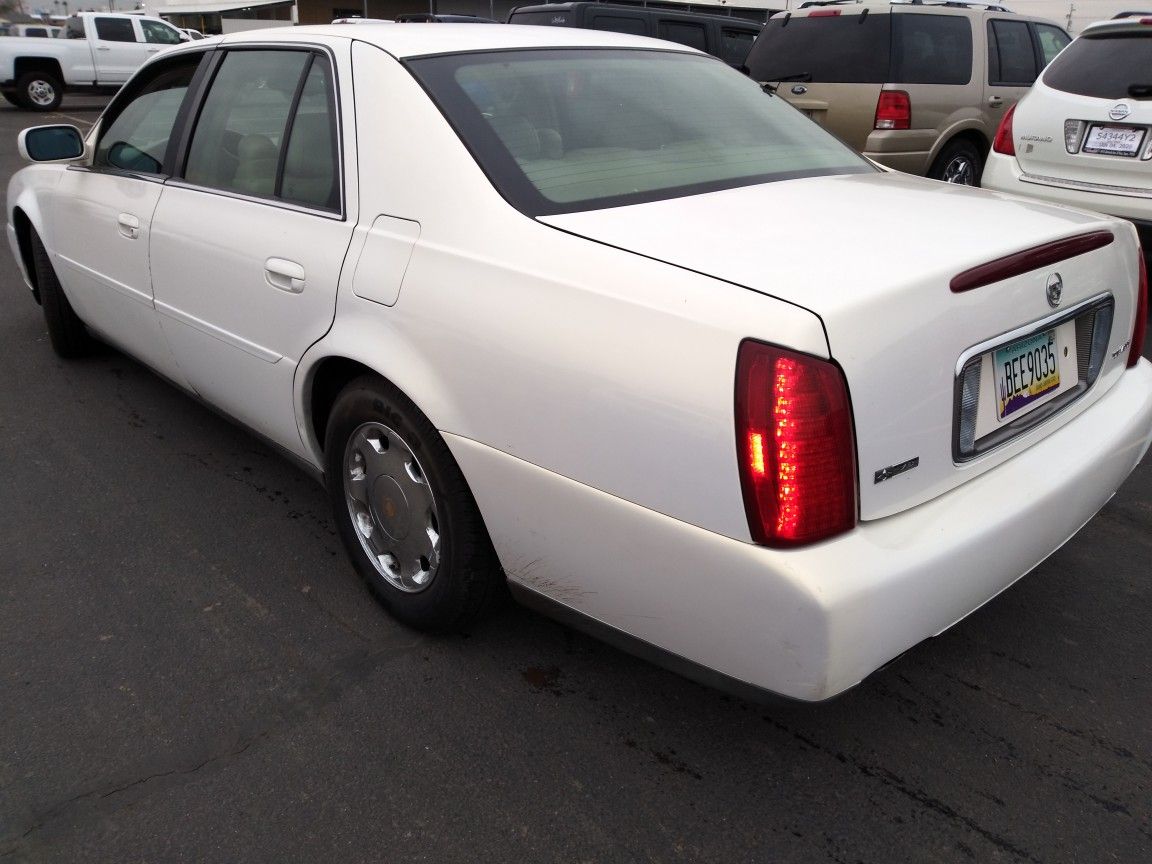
(22, 225)
(974, 134)
(23, 65)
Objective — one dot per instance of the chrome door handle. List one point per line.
(285, 275)
(103, 48)
(152, 50)
(995, 101)
(129, 226)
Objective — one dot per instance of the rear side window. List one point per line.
(35, 31)
(620, 24)
(115, 30)
(841, 49)
(1104, 67)
(74, 28)
(683, 32)
(267, 129)
(1011, 60)
(931, 49)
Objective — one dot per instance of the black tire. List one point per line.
(39, 91)
(66, 331)
(466, 578)
(960, 162)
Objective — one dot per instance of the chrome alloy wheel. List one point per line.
(392, 507)
(41, 92)
(960, 170)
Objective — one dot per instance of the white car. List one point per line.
(520, 296)
(1083, 134)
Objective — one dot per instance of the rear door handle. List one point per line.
(103, 48)
(129, 226)
(284, 274)
(995, 101)
(152, 50)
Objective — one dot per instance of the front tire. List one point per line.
(960, 163)
(69, 336)
(39, 91)
(404, 511)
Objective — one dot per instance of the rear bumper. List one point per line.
(910, 163)
(813, 622)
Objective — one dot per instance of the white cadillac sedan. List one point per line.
(596, 316)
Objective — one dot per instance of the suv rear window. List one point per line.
(1104, 66)
(841, 49)
(931, 49)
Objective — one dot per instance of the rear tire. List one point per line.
(66, 331)
(404, 511)
(960, 163)
(39, 91)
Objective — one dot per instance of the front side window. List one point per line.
(1052, 40)
(159, 33)
(1011, 61)
(115, 30)
(559, 131)
(138, 129)
(267, 128)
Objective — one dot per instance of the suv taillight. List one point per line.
(1002, 143)
(893, 110)
(1141, 326)
(795, 443)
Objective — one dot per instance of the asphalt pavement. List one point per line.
(190, 672)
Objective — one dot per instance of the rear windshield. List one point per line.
(1105, 67)
(559, 131)
(865, 49)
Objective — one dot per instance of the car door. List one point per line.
(118, 48)
(102, 213)
(247, 246)
(1012, 66)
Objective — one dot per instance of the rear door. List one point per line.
(118, 48)
(247, 246)
(1012, 65)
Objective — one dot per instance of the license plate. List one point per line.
(1026, 370)
(1114, 140)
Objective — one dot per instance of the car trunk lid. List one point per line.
(875, 262)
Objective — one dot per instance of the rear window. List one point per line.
(1104, 67)
(560, 131)
(620, 24)
(841, 49)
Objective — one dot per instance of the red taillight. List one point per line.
(893, 110)
(794, 438)
(1002, 143)
(1141, 326)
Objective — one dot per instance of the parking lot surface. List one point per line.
(190, 671)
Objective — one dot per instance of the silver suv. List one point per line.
(920, 87)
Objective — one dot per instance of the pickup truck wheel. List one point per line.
(65, 329)
(404, 511)
(39, 91)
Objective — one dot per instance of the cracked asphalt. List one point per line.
(190, 672)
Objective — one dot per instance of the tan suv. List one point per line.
(920, 87)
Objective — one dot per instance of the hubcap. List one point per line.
(392, 507)
(961, 171)
(41, 92)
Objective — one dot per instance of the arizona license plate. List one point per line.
(1026, 370)
(1114, 140)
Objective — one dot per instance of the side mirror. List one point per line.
(51, 144)
(185, 37)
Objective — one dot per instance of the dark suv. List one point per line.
(723, 36)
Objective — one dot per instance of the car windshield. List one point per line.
(559, 131)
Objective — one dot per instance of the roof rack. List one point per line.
(960, 4)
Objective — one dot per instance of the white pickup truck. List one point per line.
(97, 52)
